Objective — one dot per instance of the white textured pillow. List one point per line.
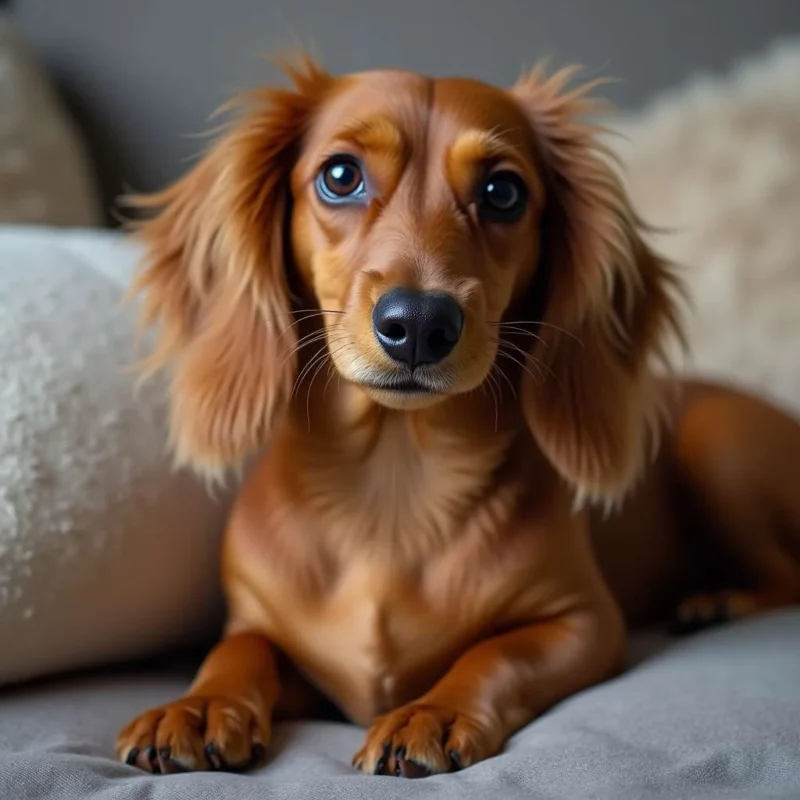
(105, 553)
(44, 173)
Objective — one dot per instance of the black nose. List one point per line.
(417, 327)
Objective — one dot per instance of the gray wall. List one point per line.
(142, 75)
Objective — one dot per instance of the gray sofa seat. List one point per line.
(716, 715)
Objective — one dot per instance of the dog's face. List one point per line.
(426, 222)
(416, 213)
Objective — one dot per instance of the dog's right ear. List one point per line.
(609, 306)
(214, 279)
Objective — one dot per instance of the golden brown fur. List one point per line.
(417, 558)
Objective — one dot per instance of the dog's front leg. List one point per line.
(493, 690)
(224, 720)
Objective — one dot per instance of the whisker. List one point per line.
(492, 387)
(331, 372)
(332, 367)
(297, 348)
(319, 358)
(511, 357)
(313, 311)
(329, 356)
(505, 377)
(502, 324)
(529, 357)
(562, 330)
(298, 380)
(322, 332)
(522, 332)
(308, 393)
(321, 353)
(311, 315)
(538, 364)
(311, 338)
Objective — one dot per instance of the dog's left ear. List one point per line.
(605, 298)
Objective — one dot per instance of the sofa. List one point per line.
(108, 556)
(715, 716)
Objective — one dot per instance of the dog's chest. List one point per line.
(404, 576)
(378, 640)
(410, 493)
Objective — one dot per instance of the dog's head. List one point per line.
(439, 229)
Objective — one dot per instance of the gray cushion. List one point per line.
(714, 715)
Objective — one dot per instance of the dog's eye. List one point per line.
(341, 179)
(502, 197)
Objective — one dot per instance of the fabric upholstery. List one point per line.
(711, 716)
(45, 175)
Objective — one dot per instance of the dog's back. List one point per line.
(713, 532)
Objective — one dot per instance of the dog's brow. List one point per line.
(376, 134)
(474, 146)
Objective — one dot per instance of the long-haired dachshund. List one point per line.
(428, 308)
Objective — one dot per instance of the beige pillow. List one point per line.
(44, 174)
(718, 163)
(105, 553)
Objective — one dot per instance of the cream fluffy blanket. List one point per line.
(718, 163)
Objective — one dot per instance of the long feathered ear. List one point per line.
(214, 279)
(607, 302)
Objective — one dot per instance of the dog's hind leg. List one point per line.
(740, 459)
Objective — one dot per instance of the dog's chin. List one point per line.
(400, 389)
(403, 399)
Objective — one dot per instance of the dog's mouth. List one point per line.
(402, 386)
(405, 391)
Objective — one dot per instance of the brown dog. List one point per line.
(432, 301)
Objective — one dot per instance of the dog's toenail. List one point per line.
(173, 766)
(259, 751)
(213, 756)
(399, 756)
(133, 754)
(413, 769)
(455, 757)
(381, 765)
(151, 753)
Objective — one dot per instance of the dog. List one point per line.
(424, 314)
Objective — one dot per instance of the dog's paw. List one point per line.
(419, 740)
(194, 733)
(701, 611)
